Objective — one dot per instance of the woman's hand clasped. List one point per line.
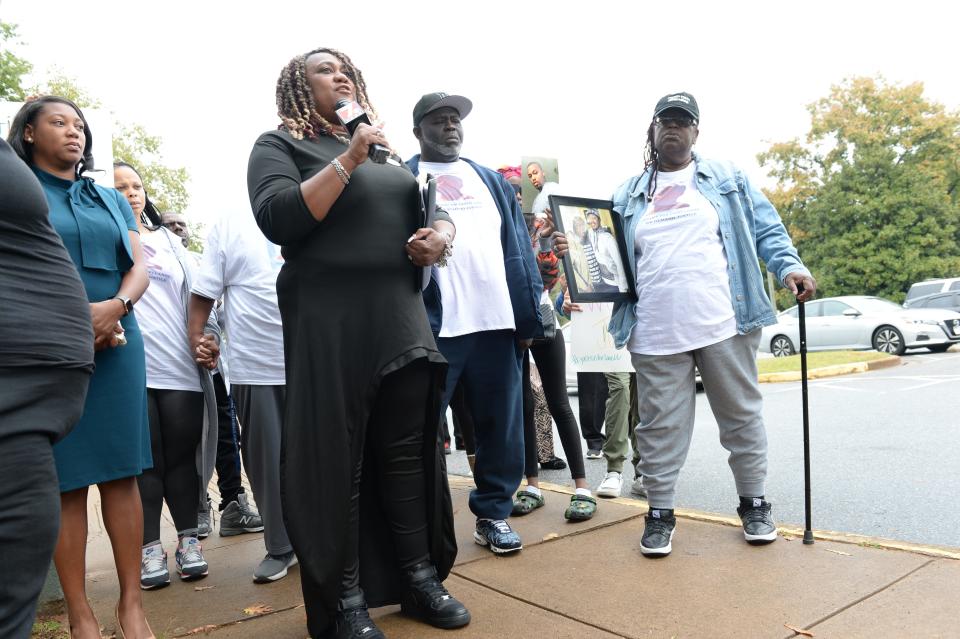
(105, 317)
(425, 247)
(206, 351)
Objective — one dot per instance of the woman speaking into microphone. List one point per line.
(364, 492)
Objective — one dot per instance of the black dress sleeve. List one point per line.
(273, 182)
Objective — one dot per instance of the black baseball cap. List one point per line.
(680, 100)
(433, 101)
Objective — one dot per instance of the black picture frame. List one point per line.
(610, 278)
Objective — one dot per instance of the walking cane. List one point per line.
(808, 530)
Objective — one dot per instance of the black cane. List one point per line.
(808, 530)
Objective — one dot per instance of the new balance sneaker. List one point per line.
(189, 557)
(637, 488)
(239, 517)
(611, 485)
(497, 534)
(658, 532)
(426, 599)
(758, 526)
(204, 520)
(273, 567)
(153, 567)
(353, 621)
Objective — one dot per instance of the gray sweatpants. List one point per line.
(260, 412)
(667, 395)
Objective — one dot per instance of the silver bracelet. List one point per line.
(341, 172)
(447, 250)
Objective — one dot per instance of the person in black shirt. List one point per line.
(46, 358)
(363, 485)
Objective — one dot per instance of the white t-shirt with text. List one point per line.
(163, 318)
(682, 284)
(473, 285)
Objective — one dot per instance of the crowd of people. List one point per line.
(302, 342)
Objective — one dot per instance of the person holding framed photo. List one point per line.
(694, 230)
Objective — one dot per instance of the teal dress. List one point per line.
(112, 438)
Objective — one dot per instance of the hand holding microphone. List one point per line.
(361, 132)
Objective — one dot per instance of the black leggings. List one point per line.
(393, 449)
(228, 452)
(176, 427)
(551, 359)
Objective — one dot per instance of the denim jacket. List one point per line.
(749, 227)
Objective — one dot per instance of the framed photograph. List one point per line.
(596, 263)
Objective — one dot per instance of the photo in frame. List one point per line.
(596, 262)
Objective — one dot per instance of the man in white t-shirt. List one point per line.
(483, 307)
(241, 265)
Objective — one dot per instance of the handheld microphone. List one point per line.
(352, 115)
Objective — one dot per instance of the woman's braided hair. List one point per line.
(295, 103)
(651, 157)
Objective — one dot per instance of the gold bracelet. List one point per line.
(341, 172)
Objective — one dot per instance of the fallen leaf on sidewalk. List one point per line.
(550, 536)
(799, 631)
(202, 588)
(202, 629)
(838, 552)
(257, 609)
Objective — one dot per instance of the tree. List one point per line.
(12, 67)
(871, 198)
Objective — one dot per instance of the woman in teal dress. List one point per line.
(110, 445)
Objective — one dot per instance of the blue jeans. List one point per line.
(488, 365)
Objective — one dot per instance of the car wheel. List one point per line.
(939, 348)
(887, 339)
(781, 346)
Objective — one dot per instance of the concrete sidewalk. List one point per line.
(589, 580)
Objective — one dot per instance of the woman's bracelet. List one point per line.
(341, 172)
(447, 249)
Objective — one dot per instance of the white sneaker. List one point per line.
(611, 485)
(637, 488)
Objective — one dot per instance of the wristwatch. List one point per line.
(127, 304)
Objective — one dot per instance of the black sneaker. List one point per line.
(497, 535)
(758, 526)
(352, 620)
(427, 599)
(658, 532)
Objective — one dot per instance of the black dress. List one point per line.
(351, 315)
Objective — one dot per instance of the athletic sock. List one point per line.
(584, 491)
(534, 490)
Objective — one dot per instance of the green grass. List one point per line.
(817, 360)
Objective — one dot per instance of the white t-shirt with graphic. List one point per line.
(473, 285)
(163, 318)
(682, 283)
(242, 265)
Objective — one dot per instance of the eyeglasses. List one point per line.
(682, 121)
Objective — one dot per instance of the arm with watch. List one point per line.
(106, 315)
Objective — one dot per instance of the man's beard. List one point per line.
(444, 150)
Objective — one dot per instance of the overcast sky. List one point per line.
(576, 80)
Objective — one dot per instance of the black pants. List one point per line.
(592, 392)
(551, 359)
(228, 450)
(393, 449)
(176, 428)
(37, 407)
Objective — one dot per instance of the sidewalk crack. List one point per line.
(863, 598)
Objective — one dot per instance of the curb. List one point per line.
(831, 371)
(788, 532)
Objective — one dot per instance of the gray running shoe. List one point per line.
(205, 520)
(190, 561)
(637, 487)
(153, 567)
(239, 517)
(273, 567)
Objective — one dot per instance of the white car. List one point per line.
(862, 322)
